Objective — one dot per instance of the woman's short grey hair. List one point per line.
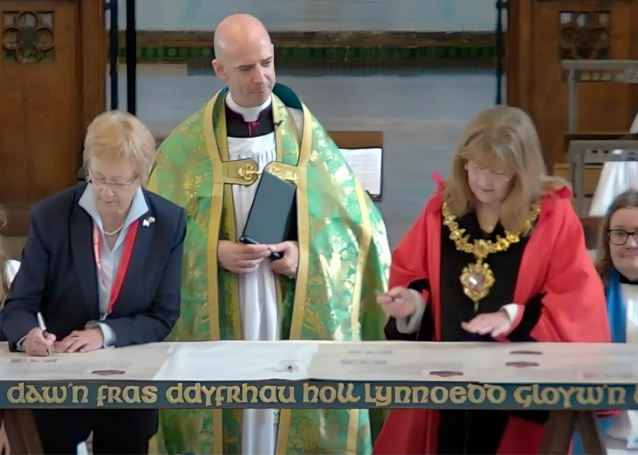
(116, 135)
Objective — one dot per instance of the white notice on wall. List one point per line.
(367, 165)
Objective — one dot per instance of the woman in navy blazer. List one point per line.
(102, 265)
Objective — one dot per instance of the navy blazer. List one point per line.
(58, 275)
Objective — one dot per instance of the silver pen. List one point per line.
(43, 327)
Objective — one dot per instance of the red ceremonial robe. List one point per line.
(555, 262)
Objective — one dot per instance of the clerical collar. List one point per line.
(250, 114)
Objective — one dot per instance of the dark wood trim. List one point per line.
(89, 76)
(357, 139)
(324, 39)
(18, 224)
(633, 104)
(343, 139)
(512, 57)
(93, 58)
(559, 432)
(591, 228)
(519, 52)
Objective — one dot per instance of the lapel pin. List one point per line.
(148, 221)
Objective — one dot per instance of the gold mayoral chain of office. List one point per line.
(478, 278)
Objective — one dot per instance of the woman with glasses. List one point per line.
(498, 254)
(101, 268)
(617, 264)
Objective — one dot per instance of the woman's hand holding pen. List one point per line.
(39, 343)
(398, 303)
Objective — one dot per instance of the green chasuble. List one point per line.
(343, 261)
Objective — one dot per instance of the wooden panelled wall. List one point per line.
(52, 76)
(541, 33)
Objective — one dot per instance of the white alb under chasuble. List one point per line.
(257, 290)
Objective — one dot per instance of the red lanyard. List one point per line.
(124, 261)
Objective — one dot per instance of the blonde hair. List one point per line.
(4, 279)
(502, 136)
(604, 264)
(117, 135)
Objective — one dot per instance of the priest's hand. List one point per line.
(81, 341)
(398, 303)
(240, 258)
(289, 263)
(494, 324)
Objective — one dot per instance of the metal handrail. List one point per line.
(131, 54)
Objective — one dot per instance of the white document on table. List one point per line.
(243, 361)
(129, 363)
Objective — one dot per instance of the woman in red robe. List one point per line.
(498, 254)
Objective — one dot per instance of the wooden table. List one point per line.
(539, 376)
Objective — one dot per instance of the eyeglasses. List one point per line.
(116, 183)
(618, 237)
(498, 175)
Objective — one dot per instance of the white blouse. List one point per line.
(11, 269)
